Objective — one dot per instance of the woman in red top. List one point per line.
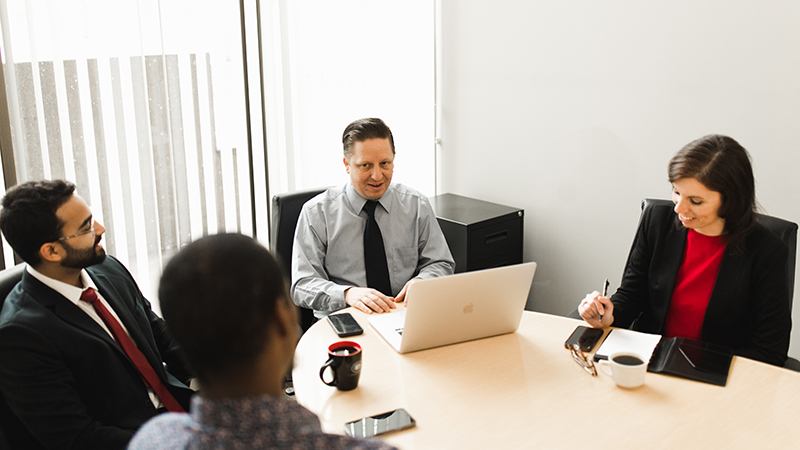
(705, 269)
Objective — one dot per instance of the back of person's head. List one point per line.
(362, 130)
(218, 296)
(721, 165)
(28, 219)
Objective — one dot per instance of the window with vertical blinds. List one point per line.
(151, 108)
(147, 121)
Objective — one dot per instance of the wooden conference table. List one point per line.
(523, 390)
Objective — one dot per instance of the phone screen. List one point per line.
(345, 325)
(379, 424)
(585, 337)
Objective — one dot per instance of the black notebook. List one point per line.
(695, 360)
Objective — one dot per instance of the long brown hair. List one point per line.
(721, 165)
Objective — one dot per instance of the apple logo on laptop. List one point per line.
(468, 308)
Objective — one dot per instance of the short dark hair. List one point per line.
(362, 130)
(721, 165)
(218, 298)
(29, 219)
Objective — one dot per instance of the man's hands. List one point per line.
(368, 300)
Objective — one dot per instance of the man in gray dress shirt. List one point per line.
(328, 267)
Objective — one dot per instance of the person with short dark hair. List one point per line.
(337, 260)
(705, 269)
(225, 299)
(81, 353)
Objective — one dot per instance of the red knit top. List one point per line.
(697, 274)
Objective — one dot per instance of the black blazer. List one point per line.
(749, 309)
(67, 379)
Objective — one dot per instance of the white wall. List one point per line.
(571, 110)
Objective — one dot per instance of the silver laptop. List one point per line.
(458, 308)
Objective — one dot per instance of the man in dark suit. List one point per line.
(81, 353)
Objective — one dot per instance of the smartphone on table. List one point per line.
(345, 325)
(396, 420)
(585, 337)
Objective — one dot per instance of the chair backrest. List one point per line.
(787, 231)
(285, 212)
(8, 279)
(784, 229)
(13, 433)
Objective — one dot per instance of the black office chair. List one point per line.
(13, 434)
(285, 212)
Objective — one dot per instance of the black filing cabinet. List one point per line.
(480, 234)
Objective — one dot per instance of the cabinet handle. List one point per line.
(495, 237)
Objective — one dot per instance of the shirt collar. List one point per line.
(69, 291)
(358, 201)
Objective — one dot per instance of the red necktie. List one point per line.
(145, 369)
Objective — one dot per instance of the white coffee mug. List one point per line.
(627, 369)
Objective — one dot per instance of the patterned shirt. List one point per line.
(248, 423)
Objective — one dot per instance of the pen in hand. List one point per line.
(605, 292)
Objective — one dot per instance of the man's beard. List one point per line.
(83, 258)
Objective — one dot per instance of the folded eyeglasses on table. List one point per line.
(583, 360)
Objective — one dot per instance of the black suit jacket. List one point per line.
(749, 309)
(66, 378)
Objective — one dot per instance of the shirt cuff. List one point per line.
(337, 297)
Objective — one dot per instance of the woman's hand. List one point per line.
(596, 310)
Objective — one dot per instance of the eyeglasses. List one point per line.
(90, 230)
(583, 360)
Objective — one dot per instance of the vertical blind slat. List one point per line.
(178, 169)
(114, 191)
(207, 149)
(76, 127)
(218, 181)
(51, 119)
(198, 126)
(237, 199)
(102, 174)
(162, 156)
(190, 172)
(151, 232)
(122, 156)
(33, 165)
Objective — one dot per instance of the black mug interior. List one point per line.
(628, 360)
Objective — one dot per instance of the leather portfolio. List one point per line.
(695, 360)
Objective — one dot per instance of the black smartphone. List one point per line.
(345, 325)
(585, 337)
(396, 420)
